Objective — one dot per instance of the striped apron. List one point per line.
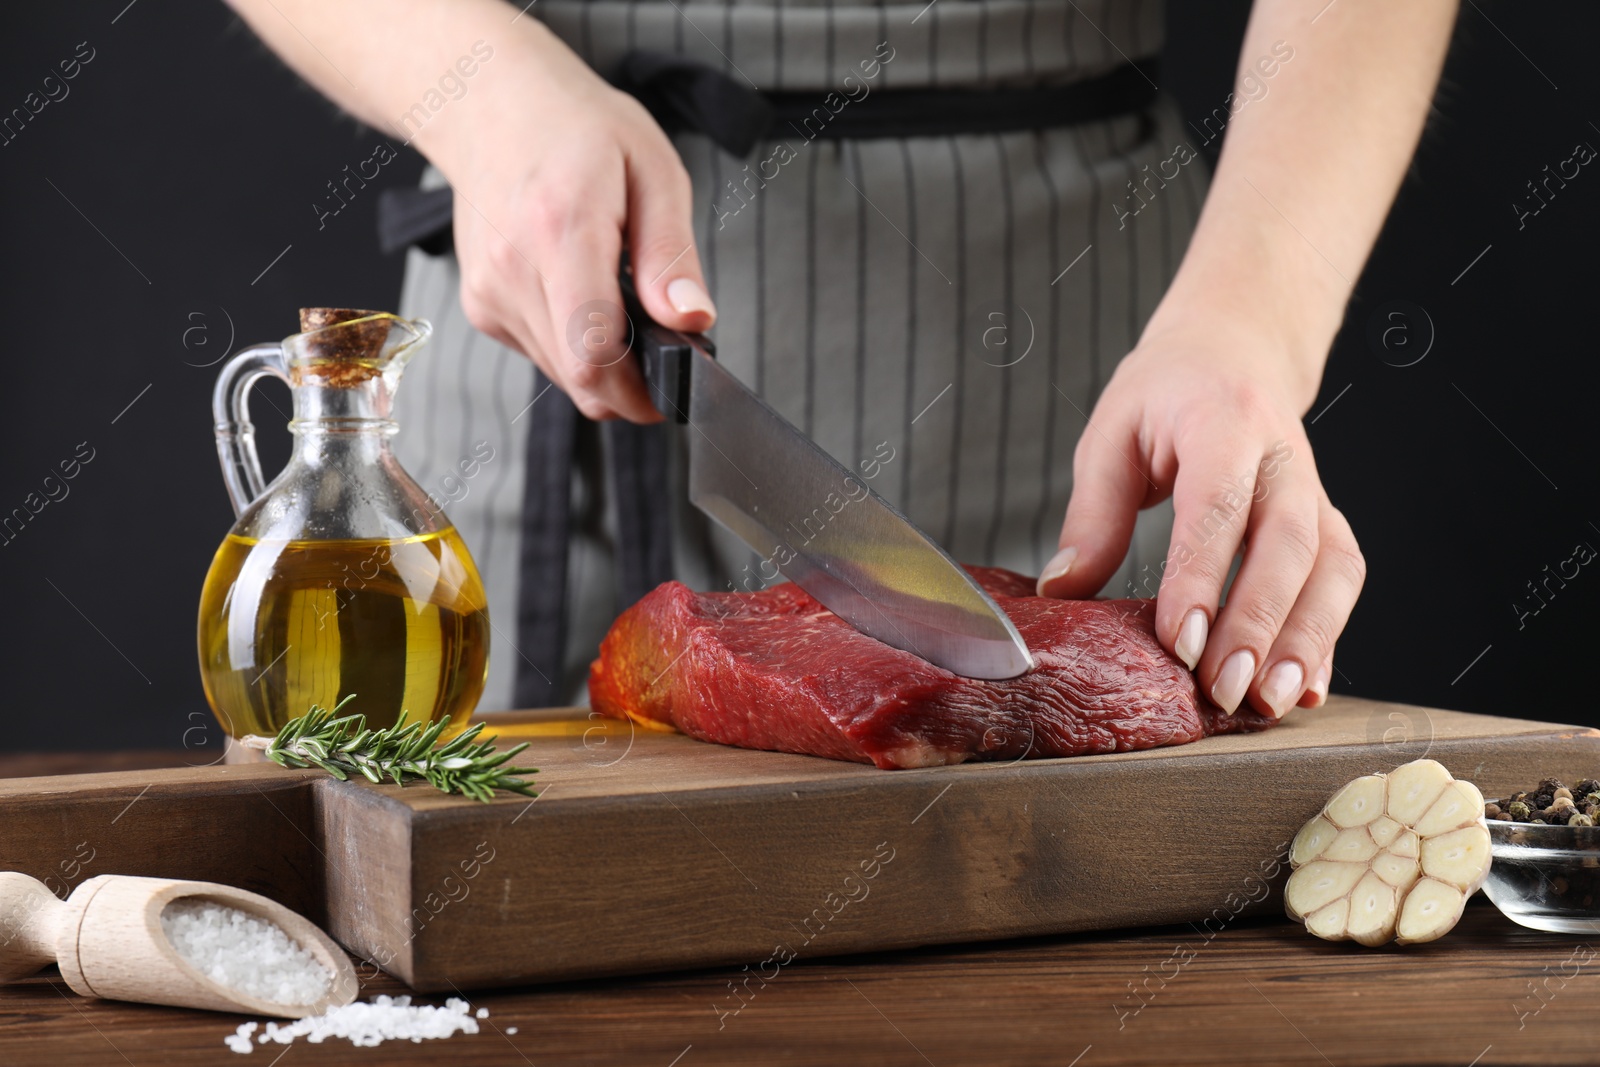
(949, 306)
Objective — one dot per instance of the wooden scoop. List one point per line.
(107, 938)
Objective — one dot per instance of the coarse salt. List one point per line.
(239, 1040)
(369, 1024)
(245, 953)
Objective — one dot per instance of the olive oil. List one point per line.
(403, 624)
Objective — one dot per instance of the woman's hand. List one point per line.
(1207, 408)
(554, 173)
(1211, 417)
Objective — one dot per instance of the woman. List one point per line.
(932, 282)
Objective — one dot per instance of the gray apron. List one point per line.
(947, 306)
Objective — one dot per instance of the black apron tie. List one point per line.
(685, 94)
(418, 217)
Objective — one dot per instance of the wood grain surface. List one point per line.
(653, 852)
(1258, 992)
(241, 826)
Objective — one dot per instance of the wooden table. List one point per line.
(1260, 992)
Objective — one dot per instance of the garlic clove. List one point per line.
(1357, 803)
(1330, 921)
(1405, 844)
(1414, 787)
(1372, 911)
(1351, 846)
(1460, 857)
(1318, 883)
(1458, 805)
(1398, 871)
(1313, 837)
(1431, 909)
(1384, 830)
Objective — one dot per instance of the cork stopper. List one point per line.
(342, 357)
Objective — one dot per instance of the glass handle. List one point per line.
(236, 435)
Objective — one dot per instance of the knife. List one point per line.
(814, 519)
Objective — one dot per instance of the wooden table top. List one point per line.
(1259, 992)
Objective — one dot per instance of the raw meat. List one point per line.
(776, 670)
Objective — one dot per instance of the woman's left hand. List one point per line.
(1210, 415)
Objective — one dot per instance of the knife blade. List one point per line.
(814, 520)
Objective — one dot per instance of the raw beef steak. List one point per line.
(777, 670)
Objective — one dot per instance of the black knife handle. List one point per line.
(665, 356)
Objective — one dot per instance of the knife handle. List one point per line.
(665, 356)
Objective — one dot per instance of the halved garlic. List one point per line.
(1390, 857)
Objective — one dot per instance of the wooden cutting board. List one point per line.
(649, 851)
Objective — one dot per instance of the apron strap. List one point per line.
(546, 530)
(640, 492)
(638, 483)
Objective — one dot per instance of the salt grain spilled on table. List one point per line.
(250, 955)
(239, 1040)
(384, 1019)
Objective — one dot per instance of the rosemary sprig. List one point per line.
(345, 745)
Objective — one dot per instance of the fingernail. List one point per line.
(1282, 686)
(1233, 679)
(1059, 565)
(1191, 641)
(689, 298)
(1319, 684)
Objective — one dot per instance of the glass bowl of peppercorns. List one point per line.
(1546, 848)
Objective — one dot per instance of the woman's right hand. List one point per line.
(555, 173)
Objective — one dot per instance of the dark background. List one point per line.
(195, 154)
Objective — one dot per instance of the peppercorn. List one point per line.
(1539, 821)
(1563, 804)
(1490, 810)
(1542, 800)
(1580, 820)
(1550, 785)
(1562, 792)
(1504, 816)
(1519, 810)
(1592, 797)
(1588, 785)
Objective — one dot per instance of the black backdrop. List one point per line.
(161, 210)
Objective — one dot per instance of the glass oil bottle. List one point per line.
(341, 577)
